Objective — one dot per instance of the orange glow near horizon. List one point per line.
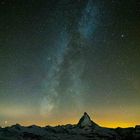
(102, 123)
(104, 119)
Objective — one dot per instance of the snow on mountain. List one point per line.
(85, 121)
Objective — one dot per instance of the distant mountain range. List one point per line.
(86, 129)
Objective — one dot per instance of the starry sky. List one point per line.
(60, 58)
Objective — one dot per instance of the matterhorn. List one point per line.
(85, 129)
(85, 121)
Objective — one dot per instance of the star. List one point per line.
(122, 35)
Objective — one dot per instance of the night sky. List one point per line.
(60, 58)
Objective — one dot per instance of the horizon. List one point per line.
(61, 58)
(106, 124)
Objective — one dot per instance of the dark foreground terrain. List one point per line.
(84, 130)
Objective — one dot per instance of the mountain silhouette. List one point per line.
(85, 129)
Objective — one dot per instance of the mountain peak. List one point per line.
(85, 121)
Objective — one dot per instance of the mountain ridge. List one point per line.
(85, 129)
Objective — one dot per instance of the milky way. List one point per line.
(62, 58)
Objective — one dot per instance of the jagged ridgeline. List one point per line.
(85, 129)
